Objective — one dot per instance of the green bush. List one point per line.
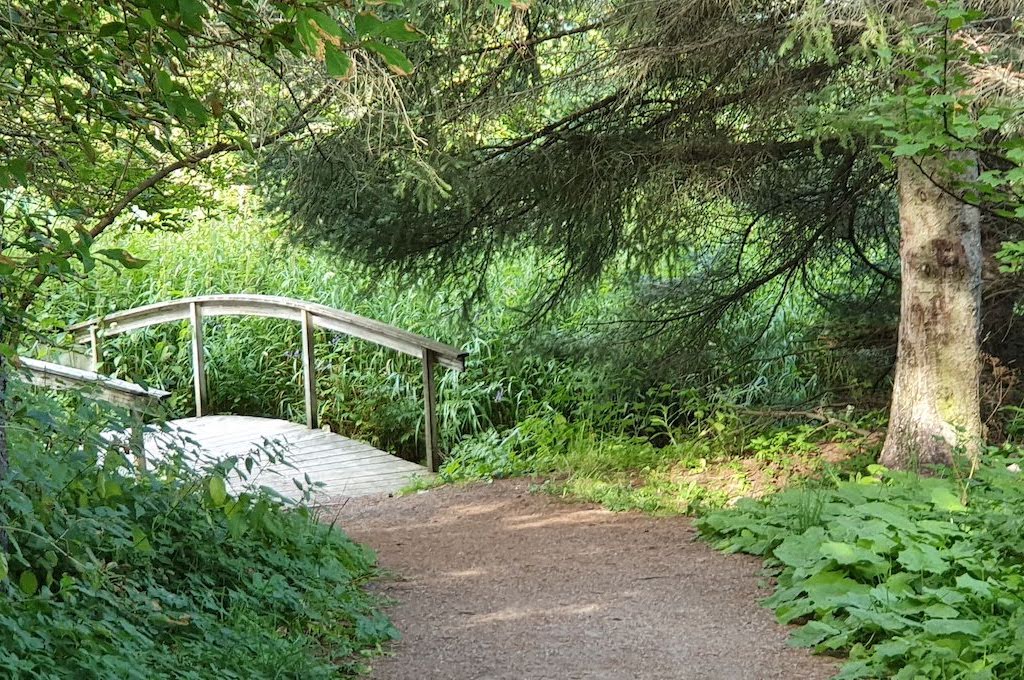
(896, 569)
(113, 573)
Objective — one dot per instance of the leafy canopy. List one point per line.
(109, 107)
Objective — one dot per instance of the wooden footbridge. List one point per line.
(283, 452)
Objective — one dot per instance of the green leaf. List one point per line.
(368, 25)
(18, 167)
(28, 582)
(990, 121)
(309, 38)
(910, 149)
(953, 627)
(111, 28)
(812, 634)
(943, 498)
(192, 13)
(177, 39)
(3, 566)
(922, 557)
(142, 543)
(801, 550)
(126, 259)
(940, 611)
(218, 490)
(830, 589)
(887, 621)
(844, 553)
(111, 488)
(400, 31)
(973, 585)
(195, 108)
(328, 25)
(893, 648)
(338, 63)
(394, 58)
(165, 83)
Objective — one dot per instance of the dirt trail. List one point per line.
(492, 581)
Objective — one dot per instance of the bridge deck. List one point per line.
(344, 467)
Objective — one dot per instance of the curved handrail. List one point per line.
(309, 314)
(276, 307)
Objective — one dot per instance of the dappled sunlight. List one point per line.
(536, 588)
(588, 516)
(466, 573)
(540, 613)
(480, 508)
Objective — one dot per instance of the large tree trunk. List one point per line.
(935, 400)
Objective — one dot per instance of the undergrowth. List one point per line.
(115, 573)
(913, 577)
(714, 458)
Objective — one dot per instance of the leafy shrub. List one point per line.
(896, 569)
(113, 573)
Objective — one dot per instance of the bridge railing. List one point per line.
(309, 315)
(136, 398)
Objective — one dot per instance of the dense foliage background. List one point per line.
(667, 233)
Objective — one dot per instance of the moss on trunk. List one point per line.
(936, 403)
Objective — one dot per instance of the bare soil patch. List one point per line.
(492, 581)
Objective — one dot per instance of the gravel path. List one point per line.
(492, 581)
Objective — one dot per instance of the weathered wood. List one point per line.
(343, 466)
(136, 439)
(105, 388)
(95, 348)
(430, 411)
(310, 316)
(198, 361)
(309, 369)
(321, 316)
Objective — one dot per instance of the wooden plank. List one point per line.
(226, 430)
(309, 369)
(277, 307)
(430, 411)
(345, 466)
(334, 456)
(95, 349)
(198, 361)
(379, 460)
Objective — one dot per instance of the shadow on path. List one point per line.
(491, 581)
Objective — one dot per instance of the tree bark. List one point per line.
(935, 410)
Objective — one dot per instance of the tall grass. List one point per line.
(517, 374)
(253, 365)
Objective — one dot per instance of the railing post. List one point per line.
(137, 441)
(430, 410)
(198, 365)
(96, 348)
(309, 369)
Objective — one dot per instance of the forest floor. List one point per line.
(493, 581)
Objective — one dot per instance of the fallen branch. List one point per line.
(810, 415)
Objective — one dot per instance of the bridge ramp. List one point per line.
(283, 453)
